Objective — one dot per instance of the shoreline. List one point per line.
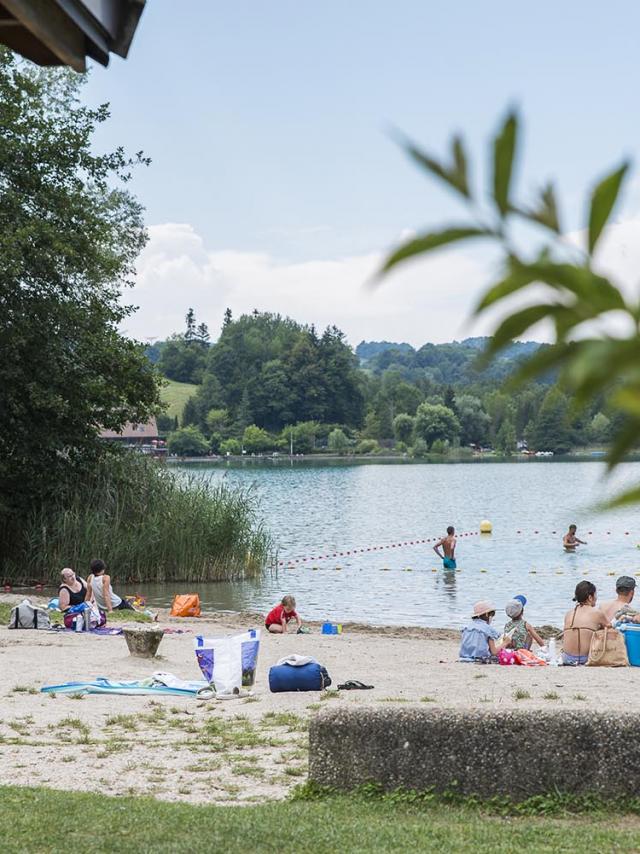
(437, 459)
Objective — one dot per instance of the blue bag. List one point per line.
(305, 677)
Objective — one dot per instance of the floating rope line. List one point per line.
(330, 555)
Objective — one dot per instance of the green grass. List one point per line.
(353, 824)
(176, 395)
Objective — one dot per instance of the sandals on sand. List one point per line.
(354, 685)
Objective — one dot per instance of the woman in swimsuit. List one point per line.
(72, 591)
(580, 623)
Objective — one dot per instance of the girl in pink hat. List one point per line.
(479, 636)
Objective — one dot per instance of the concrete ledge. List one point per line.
(513, 753)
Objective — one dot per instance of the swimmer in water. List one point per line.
(448, 544)
(570, 541)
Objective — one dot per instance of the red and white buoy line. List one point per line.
(330, 555)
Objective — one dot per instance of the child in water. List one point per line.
(278, 618)
(478, 636)
(520, 633)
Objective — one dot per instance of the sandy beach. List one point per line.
(245, 750)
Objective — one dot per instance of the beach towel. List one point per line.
(156, 684)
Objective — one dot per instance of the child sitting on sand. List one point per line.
(277, 619)
(479, 637)
(519, 632)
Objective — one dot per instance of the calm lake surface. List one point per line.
(319, 509)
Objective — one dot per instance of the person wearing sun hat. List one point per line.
(479, 637)
(519, 632)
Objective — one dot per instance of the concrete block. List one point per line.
(516, 753)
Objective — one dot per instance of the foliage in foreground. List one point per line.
(559, 281)
(131, 824)
(147, 523)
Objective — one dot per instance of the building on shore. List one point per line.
(142, 437)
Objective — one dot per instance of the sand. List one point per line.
(246, 750)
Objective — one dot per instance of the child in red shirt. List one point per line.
(278, 617)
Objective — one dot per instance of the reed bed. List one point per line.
(146, 523)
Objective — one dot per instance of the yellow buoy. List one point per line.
(485, 526)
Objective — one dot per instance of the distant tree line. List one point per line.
(271, 384)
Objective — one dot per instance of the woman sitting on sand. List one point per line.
(72, 591)
(581, 623)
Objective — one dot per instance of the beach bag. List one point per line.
(186, 605)
(298, 677)
(607, 649)
(229, 663)
(28, 616)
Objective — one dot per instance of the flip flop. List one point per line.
(354, 685)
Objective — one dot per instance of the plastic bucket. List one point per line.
(632, 640)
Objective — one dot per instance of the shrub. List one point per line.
(148, 524)
(337, 441)
(187, 442)
(367, 446)
(419, 448)
(230, 446)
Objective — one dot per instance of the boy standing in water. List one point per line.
(570, 541)
(448, 544)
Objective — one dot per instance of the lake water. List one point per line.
(318, 510)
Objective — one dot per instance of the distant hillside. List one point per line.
(368, 349)
(454, 363)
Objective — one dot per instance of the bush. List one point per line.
(419, 449)
(440, 447)
(367, 446)
(337, 441)
(147, 523)
(256, 440)
(230, 446)
(187, 442)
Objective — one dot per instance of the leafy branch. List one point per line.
(577, 299)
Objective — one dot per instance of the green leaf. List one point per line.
(546, 213)
(542, 362)
(603, 199)
(631, 496)
(625, 439)
(455, 175)
(503, 153)
(518, 277)
(459, 172)
(430, 241)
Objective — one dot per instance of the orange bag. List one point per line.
(186, 605)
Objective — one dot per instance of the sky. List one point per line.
(276, 182)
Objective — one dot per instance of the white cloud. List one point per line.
(428, 300)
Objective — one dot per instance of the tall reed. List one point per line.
(147, 523)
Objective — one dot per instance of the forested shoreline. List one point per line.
(270, 384)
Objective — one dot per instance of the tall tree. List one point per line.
(190, 333)
(69, 235)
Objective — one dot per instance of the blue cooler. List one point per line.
(632, 640)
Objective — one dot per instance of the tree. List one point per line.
(256, 440)
(217, 421)
(202, 334)
(403, 427)
(190, 333)
(599, 428)
(435, 421)
(551, 429)
(577, 298)
(506, 438)
(69, 236)
(338, 441)
(190, 413)
(181, 361)
(187, 442)
(474, 421)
